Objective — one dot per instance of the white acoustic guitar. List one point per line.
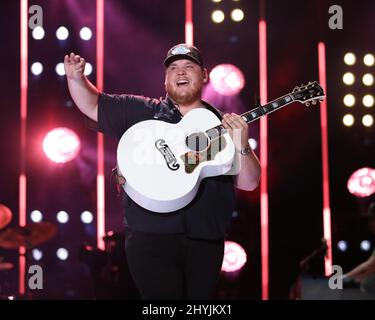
(164, 163)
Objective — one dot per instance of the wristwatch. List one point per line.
(246, 150)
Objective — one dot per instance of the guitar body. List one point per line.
(164, 163)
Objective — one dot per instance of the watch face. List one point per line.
(245, 151)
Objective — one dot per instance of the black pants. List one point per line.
(173, 266)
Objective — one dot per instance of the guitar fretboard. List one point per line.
(255, 113)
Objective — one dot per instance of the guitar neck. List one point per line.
(271, 106)
(255, 113)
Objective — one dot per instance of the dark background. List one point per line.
(138, 34)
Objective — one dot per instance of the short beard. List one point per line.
(185, 99)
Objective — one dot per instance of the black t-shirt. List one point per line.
(207, 216)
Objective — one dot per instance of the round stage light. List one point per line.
(87, 217)
(36, 216)
(62, 217)
(62, 253)
(227, 79)
(37, 254)
(62, 33)
(38, 33)
(369, 60)
(342, 245)
(253, 143)
(36, 68)
(60, 70)
(348, 78)
(88, 69)
(349, 100)
(368, 100)
(61, 145)
(217, 16)
(368, 79)
(365, 245)
(349, 58)
(237, 15)
(234, 257)
(85, 33)
(348, 120)
(368, 120)
(362, 183)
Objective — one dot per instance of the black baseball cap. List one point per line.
(183, 51)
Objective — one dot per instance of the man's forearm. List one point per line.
(249, 175)
(85, 96)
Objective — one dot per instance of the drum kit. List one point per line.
(27, 237)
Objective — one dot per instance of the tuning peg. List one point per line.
(295, 89)
(313, 102)
(321, 99)
(307, 104)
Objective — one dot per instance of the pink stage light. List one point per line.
(61, 145)
(234, 257)
(362, 183)
(227, 79)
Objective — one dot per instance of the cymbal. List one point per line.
(5, 216)
(5, 266)
(29, 236)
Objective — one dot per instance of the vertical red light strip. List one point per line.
(189, 22)
(23, 111)
(100, 138)
(325, 172)
(263, 153)
(263, 160)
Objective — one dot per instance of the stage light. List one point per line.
(88, 69)
(349, 100)
(62, 253)
(60, 69)
(87, 217)
(217, 1)
(348, 78)
(62, 33)
(61, 145)
(365, 245)
(234, 257)
(217, 16)
(369, 60)
(342, 245)
(37, 254)
(368, 79)
(237, 15)
(227, 79)
(349, 58)
(85, 33)
(36, 216)
(253, 143)
(62, 217)
(368, 100)
(362, 183)
(367, 120)
(38, 33)
(36, 68)
(348, 120)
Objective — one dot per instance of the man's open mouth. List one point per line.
(181, 83)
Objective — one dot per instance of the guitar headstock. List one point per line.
(310, 93)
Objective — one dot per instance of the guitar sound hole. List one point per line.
(197, 141)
